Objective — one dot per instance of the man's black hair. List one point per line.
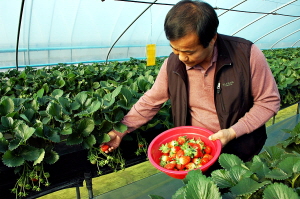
(191, 16)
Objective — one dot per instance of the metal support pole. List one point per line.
(77, 192)
(89, 184)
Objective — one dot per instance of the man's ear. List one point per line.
(213, 40)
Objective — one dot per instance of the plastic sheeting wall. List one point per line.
(72, 31)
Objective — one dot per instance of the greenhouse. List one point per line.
(71, 71)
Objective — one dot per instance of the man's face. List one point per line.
(190, 52)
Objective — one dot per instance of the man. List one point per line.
(217, 82)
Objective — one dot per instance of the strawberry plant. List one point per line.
(285, 66)
(75, 105)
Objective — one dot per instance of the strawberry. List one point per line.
(140, 144)
(207, 149)
(198, 153)
(165, 158)
(196, 161)
(195, 145)
(189, 151)
(204, 161)
(208, 156)
(104, 147)
(179, 153)
(180, 166)
(170, 166)
(164, 148)
(184, 160)
(190, 166)
(174, 149)
(172, 143)
(181, 140)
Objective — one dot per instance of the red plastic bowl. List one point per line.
(154, 153)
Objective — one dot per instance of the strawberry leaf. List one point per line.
(40, 158)
(6, 106)
(199, 186)
(3, 143)
(120, 127)
(247, 186)
(89, 141)
(30, 153)
(51, 157)
(227, 161)
(57, 93)
(11, 159)
(279, 191)
(86, 126)
(222, 178)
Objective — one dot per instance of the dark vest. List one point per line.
(232, 93)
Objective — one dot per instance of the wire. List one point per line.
(166, 4)
(19, 29)
(127, 29)
(216, 8)
(252, 12)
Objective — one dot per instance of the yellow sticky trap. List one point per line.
(151, 51)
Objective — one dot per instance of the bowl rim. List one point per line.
(171, 172)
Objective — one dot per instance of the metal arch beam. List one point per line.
(264, 16)
(232, 7)
(284, 38)
(295, 43)
(276, 29)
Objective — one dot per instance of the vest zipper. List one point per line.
(221, 98)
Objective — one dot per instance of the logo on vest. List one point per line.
(228, 83)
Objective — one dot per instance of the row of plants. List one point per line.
(285, 66)
(274, 173)
(76, 105)
(79, 104)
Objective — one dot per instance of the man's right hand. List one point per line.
(115, 140)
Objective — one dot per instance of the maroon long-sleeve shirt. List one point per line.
(201, 97)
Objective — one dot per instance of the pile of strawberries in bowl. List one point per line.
(178, 150)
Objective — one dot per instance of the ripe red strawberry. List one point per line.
(181, 140)
(208, 156)
(179, 153)
(165, 158)
(195, 145)
(184, 160)
(190, 166)
(180, 166)
(204, 161)
(174, 149)
(207, 149)
(198, 153)
(104, 147)
(170, 166)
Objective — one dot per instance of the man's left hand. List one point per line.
(224, 135)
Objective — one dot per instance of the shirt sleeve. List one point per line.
(150, 103)
(265, 94)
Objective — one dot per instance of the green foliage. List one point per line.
(273, 173)
(285, 66)
(74, 105)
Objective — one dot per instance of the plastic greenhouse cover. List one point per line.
(73, 31)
